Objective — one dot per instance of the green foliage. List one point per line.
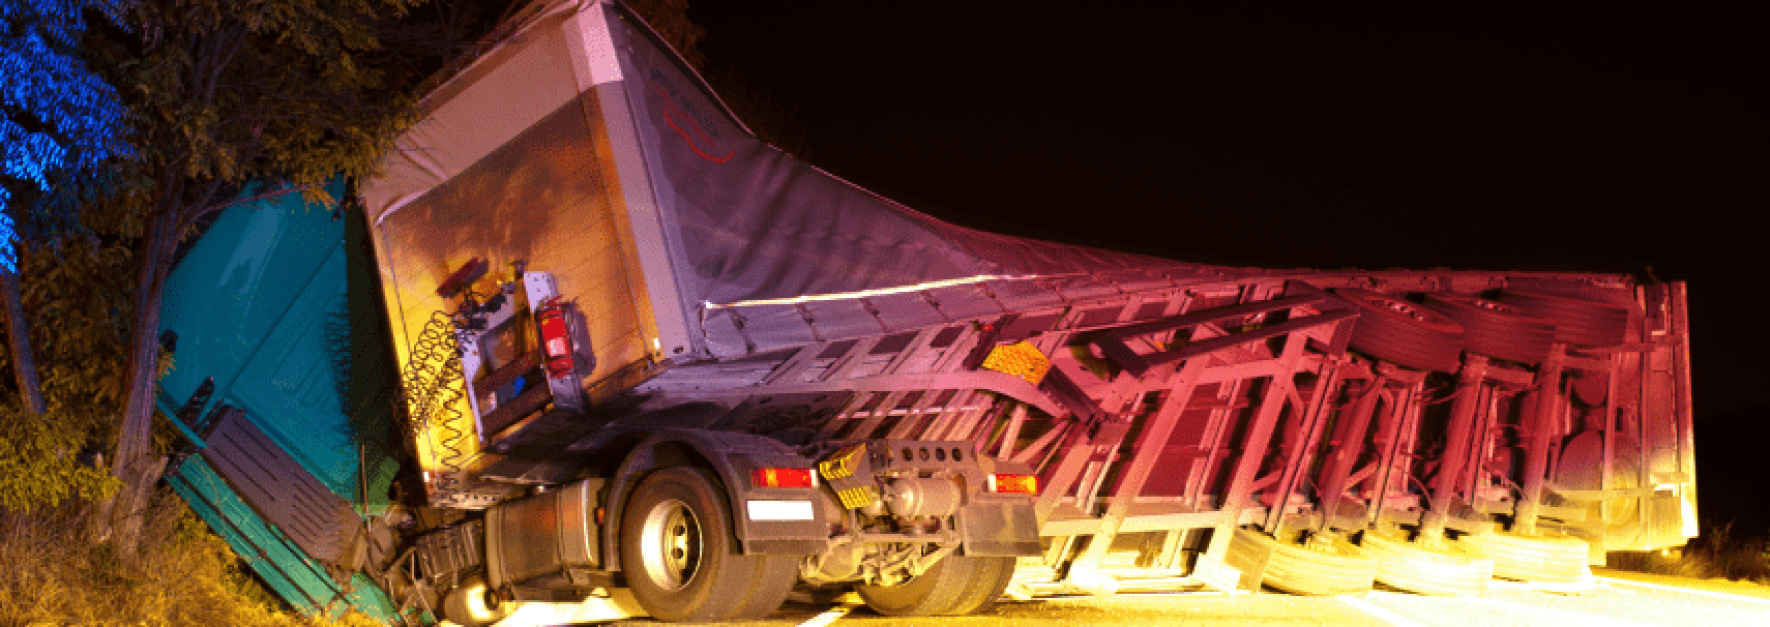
(183, 575)
(39, 463)
(228, 92)
(224, 96)
(78, 304)
(56, 116)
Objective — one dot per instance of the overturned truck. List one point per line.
(619, 351)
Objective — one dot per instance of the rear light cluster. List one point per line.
(803, 478)
(1014, 484)
(782, 478)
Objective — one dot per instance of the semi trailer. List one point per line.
(586, 341)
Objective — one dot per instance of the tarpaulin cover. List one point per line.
(761, 247)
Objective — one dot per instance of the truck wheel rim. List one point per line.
(671, 545)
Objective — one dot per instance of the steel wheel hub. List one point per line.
(671, 545)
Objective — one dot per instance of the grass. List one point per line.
(182, 575)
(1719, 552)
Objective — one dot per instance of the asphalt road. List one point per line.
(1618, 599)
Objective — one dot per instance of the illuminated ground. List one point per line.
(1618, 599)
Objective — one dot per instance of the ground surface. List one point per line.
(1618, 599)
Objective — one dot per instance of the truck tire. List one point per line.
(1453, 570)
(1339, 568)
(982, 592)
(1549, 556)
(1582, 467)
(1578, 322)
(1495, 329)
(955, 586)
(471, 604)
(1402, 333)
(682, 560)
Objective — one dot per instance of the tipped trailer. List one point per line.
(647, 364)
(1316, 432)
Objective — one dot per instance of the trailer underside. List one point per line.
(1169, 419)
(1240, 433)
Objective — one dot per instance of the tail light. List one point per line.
(781, 478)
(1014, 484)
(556, 341)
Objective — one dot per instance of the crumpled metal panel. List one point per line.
(269, 304)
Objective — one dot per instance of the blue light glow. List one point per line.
(58, 117)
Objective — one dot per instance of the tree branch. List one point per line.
(264, 196)
(200, 206)
(239, 33)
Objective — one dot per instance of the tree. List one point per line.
(56, 118)
(233, 102)
(84, 289)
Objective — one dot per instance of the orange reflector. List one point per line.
(781, 477)
(1015, 484)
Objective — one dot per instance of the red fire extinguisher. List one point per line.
(556, 340)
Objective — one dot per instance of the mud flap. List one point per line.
(999, 528)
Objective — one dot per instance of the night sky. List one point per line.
(1481, 136)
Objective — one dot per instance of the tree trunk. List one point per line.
(24, 365)
(135, 463)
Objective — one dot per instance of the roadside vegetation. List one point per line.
(1719, 553)
(181, 574)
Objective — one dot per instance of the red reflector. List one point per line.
(781, 477)
(1016, 484)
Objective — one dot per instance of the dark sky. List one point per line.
(1480, 136)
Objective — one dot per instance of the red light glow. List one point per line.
(1016, 484)
(781, 477)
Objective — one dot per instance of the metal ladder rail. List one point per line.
(1314, 419)
(1396, 437)
(1127, 385)
(1253, 449)
(860, 352)
(1081, 448)
(1145, 452)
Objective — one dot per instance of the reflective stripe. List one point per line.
(875, 292)
(780, 510)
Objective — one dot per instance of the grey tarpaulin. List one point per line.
(728, 230)
(749, 225)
